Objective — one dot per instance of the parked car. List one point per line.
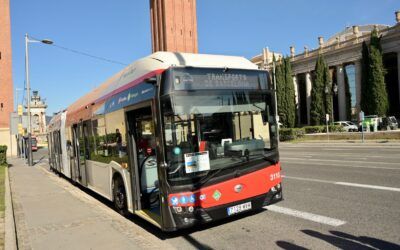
(389, 123)
(347, 126)
(370, 123)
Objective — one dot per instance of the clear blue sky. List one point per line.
(120, 30)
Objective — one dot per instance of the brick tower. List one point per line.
(174, 25)
(6, 84)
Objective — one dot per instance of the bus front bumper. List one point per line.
(186, 219)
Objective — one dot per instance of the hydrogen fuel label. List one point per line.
(197, 162)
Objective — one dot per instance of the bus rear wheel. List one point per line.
(119, 193)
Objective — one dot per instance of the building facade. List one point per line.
(38, 114)
(174, 25)
(342, 53)
(6, 83)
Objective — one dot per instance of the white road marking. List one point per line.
(307, 179)
(351, 155)
(327, 160)
(368, 186)
(306, 162)
(306, 216)
(345, 183)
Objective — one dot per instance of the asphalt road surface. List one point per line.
(336, 196)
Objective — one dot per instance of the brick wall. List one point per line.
(174, 25)
(6, 85)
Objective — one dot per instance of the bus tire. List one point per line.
(119, 195)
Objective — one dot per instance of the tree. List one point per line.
(290, 102)
(280, 91)
(347, 94)
(328, 97)
(317, 109)
(365, 88)
(374, 96)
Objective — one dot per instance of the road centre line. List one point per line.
(327, 160)
(345, 183)
(316, 155)
(368, 186)
(341, 148)
(305, 215)
(353, 155)
(306, 162)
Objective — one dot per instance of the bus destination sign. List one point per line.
(197, 80)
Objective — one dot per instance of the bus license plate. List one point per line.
(239, 208)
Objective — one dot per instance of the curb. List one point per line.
(10, 229)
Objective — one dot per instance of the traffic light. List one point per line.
(20, 110)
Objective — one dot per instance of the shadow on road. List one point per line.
(185, 233)
(289, 245)
(38, 161)
(342, 240)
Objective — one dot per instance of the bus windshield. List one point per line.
(208, 130)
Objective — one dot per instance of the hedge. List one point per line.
(3, 155)
(314, 129)
(322, 129)
(287, 134)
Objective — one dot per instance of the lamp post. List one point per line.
(334, 90)
(28, 91)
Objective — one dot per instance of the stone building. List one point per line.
(38, 114)
(342, 53)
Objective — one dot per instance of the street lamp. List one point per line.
(28, 90)
(334, 90)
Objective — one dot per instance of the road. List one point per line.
(336, 196)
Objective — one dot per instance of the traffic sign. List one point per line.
(20, 110)
(20, 129)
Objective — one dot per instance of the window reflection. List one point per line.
(108, 140)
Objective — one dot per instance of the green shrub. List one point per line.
(322, 129)
(314, 129)
(287, 134)
(334, 129)
(3, 155)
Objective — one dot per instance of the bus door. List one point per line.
(81, 153)
(56, 153)
(50, 143)
(143, 163)
(59, 151)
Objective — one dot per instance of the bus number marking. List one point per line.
(275, 176)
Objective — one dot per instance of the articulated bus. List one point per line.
(177, 139)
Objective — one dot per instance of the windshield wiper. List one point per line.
(209, 177)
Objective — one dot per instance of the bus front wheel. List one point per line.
(119, 194)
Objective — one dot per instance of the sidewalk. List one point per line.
(51, 213)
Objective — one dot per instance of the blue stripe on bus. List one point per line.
(142, 92)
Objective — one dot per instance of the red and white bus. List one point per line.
(177, 139)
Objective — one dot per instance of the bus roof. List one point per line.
(151, 65)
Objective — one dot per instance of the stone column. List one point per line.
(341, 92)
(357, 67)
(308, 91)
(296, 95)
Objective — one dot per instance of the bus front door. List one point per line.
(142, 145)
